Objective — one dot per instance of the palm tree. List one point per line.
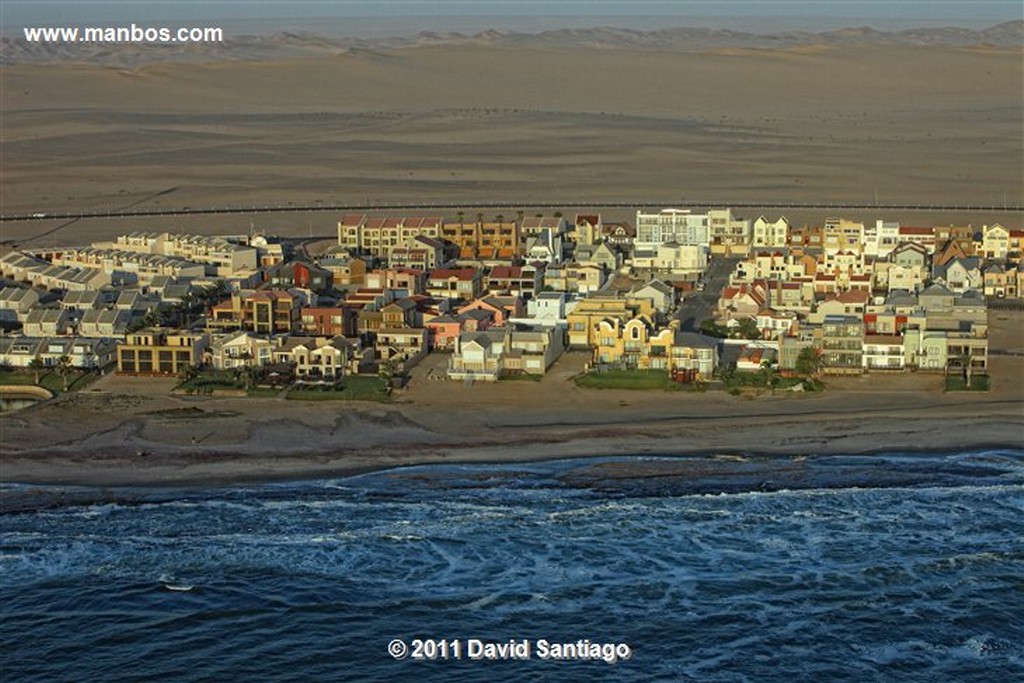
(809, 362)
(36, 365)
(461, 216)
(769, 373)
(64, 367)
(188, 373)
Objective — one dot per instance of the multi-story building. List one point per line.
(346, 270)
(881, 238)
(525, 281)
(995, 241)
(532, 350)
(478, 356)
(587, 229)
(883, 352)
(16, 302)
(639, 344)
(160, 351)
(497, 240)
(671, 225)
(839, 234)
(300, 274)
(143, 266)
(770, 234)
(455, 283)
(222, 256)
(728, 235)
(377, 236)
(327, 321)
(584, 319)
(261, 311)
(237, 350)
(20, 351)
(421, 252)
(842, 344)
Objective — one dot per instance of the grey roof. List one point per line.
(694, 340)
(478, 314)
(485, 338)
(970, 296)
(842, 320)
(106, 315)
(936, 290)
(82, 298)
(46, 315)
(658, 285)
(899, 298)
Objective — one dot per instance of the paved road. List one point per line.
(700, 306)
(573, 204)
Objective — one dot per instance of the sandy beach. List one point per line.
(127, 431)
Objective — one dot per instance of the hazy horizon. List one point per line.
(379, 19)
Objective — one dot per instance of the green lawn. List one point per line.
(354, 388)
(212, 379)
(18, 377)
(738, 380)
(49, 379)
(521, 377)
(263, 392)
(628, 379)
(957, 383)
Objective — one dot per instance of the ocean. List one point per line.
(892, 567)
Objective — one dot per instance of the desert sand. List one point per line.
(482, 122)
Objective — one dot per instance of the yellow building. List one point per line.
(839, 234)
(155, 351)
(639, 344)
(585, 318)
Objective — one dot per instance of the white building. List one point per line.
(883, 352)
(671, 225)
(770, 234)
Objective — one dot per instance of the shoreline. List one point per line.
(103, 466)
(125, 433)
(597, 469)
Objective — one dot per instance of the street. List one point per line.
(699, 306)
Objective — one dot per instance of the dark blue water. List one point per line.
(917, 578)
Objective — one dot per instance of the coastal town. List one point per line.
(676, 298)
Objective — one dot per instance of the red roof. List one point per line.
(353, 219)
(856, 296)
(456, 273)
(506, 272)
